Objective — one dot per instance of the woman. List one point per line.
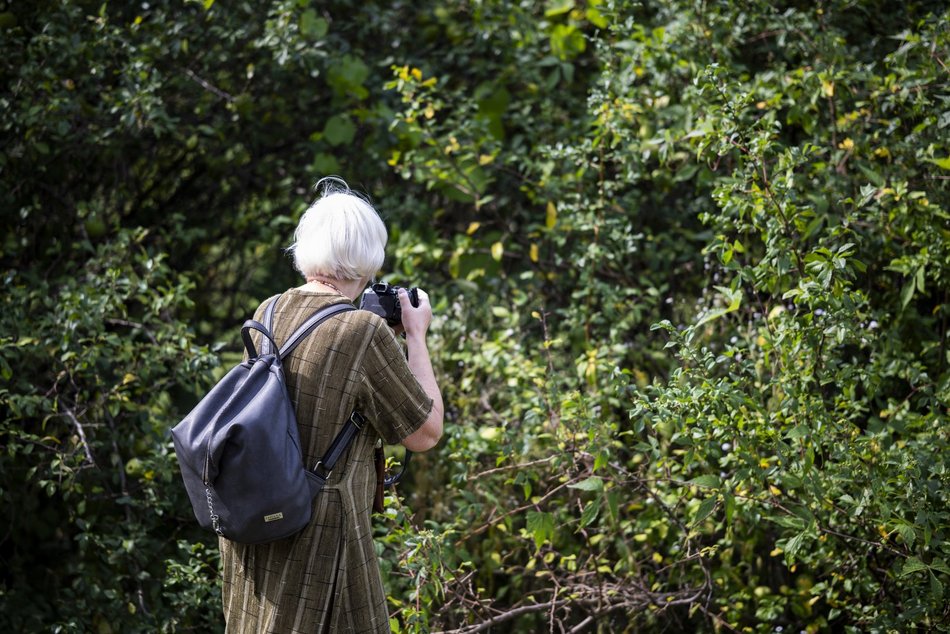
(327, 578)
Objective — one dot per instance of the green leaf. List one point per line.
(558, 7)
(339, 130)
(591, 510)
(803, 512)
(312, 26)
(567, 42)
(734, 297)
(613, 504)
(596, 18)
(911, 566)
(871, 175)
(347, 75)
(729, 502)
(943, 163)
(907, 293)
(324, 163)
(593, 483)
(795, 523)
(936, 588)
(794, 545)
(907, 533)
(707, 481)
(799, 431)
(940, 566)
(541, 526)
(705, 509)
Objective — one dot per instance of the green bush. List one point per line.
(690, 269)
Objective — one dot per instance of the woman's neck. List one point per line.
(351, 289)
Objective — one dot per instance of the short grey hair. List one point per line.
(340, 236)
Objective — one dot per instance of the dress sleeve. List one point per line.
(399, 405)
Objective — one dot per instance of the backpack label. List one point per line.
(273, 517)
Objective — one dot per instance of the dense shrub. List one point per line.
(690, 265)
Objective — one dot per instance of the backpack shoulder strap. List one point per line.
(298, 335)
(268, 324)
(308, 326)
(266, 340)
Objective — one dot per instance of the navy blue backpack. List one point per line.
(239, 448)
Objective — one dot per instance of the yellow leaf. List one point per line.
(551, 218)
(497, 250)
(658, 558)
(828, 87)
(473, 227)
(488, 433)
(485, 159)
(776, 552)
(847, 144)
(416, 73)
(775, 490)
(429, 112)
(128, 378)
(533, 253)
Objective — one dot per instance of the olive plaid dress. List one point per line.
(326, 578)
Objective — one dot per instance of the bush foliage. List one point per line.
(690, 261)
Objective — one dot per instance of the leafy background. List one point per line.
(690, 265)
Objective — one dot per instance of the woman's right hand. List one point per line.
(415, 319)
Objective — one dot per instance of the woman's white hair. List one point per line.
(340, 236)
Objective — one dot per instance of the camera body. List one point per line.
(383, 299)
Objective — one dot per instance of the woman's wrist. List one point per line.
(418, 338)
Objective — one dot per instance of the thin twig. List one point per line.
(209, 87)
(82, 435)
(506, 616)
(580, 627)
(521, 465)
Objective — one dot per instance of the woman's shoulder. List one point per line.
(259, 313)
(301, 304)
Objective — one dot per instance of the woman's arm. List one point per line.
(415, 321)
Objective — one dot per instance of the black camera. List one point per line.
(383, 299)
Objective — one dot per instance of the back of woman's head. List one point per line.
(340, 236)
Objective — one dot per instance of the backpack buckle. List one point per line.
(317, 468)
